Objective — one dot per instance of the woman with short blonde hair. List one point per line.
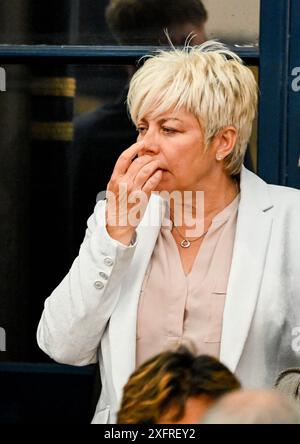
(209, 81)
(188, 246)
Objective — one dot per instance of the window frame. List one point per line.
(277, 53)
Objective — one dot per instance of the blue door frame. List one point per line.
(279, 109)
(293, 122)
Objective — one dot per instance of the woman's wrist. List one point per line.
(124, 235)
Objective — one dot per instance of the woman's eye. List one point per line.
(141, 129)
(169, 130)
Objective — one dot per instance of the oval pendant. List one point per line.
(185, 243)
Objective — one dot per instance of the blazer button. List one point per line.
(103, 275)
(98, 285)
(108, 261)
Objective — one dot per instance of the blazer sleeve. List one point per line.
(75, 315)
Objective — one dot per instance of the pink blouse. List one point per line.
(175, 308)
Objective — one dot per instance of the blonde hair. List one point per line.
(208, 80)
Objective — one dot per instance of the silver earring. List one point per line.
(219, 157)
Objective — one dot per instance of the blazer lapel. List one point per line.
(122, 328)
(250, 248)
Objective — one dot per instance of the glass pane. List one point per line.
(129, 22)
(62, 130)
(233, 21)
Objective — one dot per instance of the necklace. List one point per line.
(186, 243)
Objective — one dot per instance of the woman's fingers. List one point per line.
(137, 165)
(125, 159)
(152, 182)
(129, 189)
(145, 173)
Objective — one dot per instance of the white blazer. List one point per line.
(91, 315)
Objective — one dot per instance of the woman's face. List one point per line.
(176, 140)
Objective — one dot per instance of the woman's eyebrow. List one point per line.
(170, 118)
(164, 120)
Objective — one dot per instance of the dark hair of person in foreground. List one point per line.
(160, 390)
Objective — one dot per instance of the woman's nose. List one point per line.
(151, 144)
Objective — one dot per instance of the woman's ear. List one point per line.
(224, 142)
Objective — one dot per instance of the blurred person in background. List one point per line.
(143, 22)
(253, 407)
